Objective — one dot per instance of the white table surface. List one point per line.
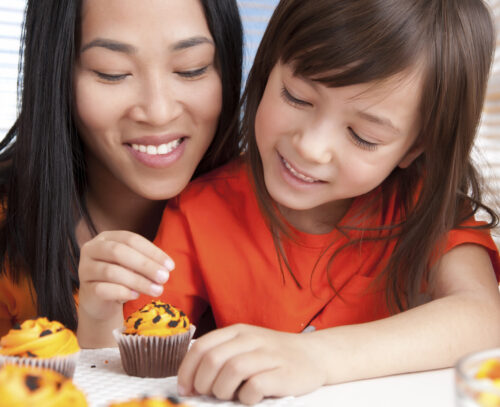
(108, 382)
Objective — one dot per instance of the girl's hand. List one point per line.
(115, 267)
(250, 363)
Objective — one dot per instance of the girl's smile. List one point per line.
(321, 147)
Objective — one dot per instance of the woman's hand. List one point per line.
(115, 267)
(250, 363)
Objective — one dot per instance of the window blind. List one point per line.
(11, 16)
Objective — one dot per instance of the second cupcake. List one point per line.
(41, 343)
(154, 340)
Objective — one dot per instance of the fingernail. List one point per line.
(181, 390)
(155, 290)
(162, 276)
(134, 295)
(169, 264)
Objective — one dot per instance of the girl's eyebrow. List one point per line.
(125, 48)
(383, 121)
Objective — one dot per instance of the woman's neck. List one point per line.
(319, 220)
(113, 206)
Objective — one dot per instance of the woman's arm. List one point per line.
(251, 363)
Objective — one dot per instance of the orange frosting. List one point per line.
(157, 319)
(151, 402)
(22, 386)
(39, 338)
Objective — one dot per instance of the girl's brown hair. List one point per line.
(346, 42)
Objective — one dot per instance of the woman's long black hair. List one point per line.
(42, 167)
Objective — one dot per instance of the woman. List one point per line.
(122, 103)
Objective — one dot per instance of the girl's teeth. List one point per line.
(298, 174)
(155, 150)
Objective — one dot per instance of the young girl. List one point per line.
(352, 216)
(122, 102)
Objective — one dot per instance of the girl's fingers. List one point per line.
(238, 369)
(264, 384)
(220, 358)
(189, 366)
(114, 274)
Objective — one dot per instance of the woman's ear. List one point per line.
(410, 156)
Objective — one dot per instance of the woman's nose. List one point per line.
(315, 145)
(157, 104)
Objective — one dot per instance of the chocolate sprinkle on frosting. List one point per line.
(31, 354)
(156, 319)
(16, 326)
(32, 382)
(45, 333)
(137, 323)
(173, 400)
(173, 324)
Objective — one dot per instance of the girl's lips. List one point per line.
(300, 176)
(158, 155)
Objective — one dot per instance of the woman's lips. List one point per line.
(155, 153)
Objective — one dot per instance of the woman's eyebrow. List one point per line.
(111, 45)
(190, 42)
(125, 48)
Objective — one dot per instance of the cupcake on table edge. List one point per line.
(22, 386)
(151, 402)
(154, 340)
(41, 343)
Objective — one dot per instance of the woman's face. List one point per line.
(147, 93)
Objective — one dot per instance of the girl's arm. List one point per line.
(251, 363)
(115, 267)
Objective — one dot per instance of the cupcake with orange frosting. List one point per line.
(154, 340)
(41, 343)
(22, 386)
(151, 402)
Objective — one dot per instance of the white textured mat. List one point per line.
(100, 375)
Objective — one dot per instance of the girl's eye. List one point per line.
(110, 78)
(360, 142)
(293, 100)
(193, 74)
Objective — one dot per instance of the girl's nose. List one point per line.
(157, 105)
(315, 145)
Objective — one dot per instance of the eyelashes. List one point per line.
(114, 78)
(287, 96)
(299, 103)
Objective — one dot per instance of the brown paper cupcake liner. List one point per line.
(152, 356)
(61, 364)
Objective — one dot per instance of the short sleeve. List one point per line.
(470, 233)
(185, 288)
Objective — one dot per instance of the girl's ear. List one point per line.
(410, 156)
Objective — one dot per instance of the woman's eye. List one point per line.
(287, 96)
(192, 74)
(360, 142)
(110, 78)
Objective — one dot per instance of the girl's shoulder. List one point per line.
(227, 182)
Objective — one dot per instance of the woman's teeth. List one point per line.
(157, 150)
(300, 176)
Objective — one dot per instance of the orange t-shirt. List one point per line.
(17, 302)
(225, 257)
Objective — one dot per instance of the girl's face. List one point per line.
(321, 146)
(147, 92)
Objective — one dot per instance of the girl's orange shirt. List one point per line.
(226, 259)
